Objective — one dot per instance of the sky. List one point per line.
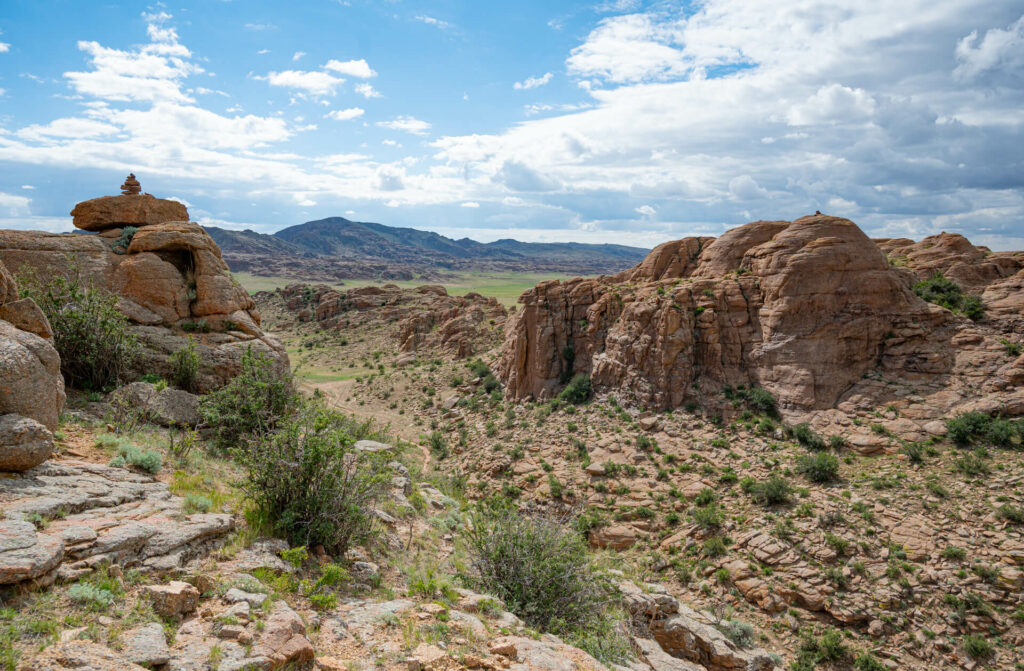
(621, 121)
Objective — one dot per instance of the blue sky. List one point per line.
(624, 121)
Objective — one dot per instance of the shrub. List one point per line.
(806, 436)
(942, 291)
(772, 492)
(120, 245)
(185, 366)
(1012, 348)
(977, 646)
(89, 332)
(479, 368)
(308, 483)
(131, 455)
(578, 390)
(250, 405)
(438, 445)
(1010, 513)
(965, 427)
(821, 467)
(953, 552)
(91, 596)
(708, 517)
(540, 568)
(972, 464)
(737, 631)
(714, 546)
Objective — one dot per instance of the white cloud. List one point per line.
(4, 47)
(430, 20)
(832, 104)
(263, 51)
(406, 123)
(999, 49)
(610, 6)
(390, 143)
(630, 48)
(367, 91)
(533, 82)
(14, 205)
(355, 68)
(297, 56)
(346, 114)
(646, 210)
(67, 128)
(260, 26)
(28, 187)
(470, 204)
(745, 187)
(311, 82)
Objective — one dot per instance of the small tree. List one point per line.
(310, 485)
(539, 566)
(89, 332)
(185, 366)
(251, 404)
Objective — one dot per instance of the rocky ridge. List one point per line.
(425, 319)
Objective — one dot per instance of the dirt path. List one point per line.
(337, 395)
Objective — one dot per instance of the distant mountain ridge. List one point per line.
(337, 247)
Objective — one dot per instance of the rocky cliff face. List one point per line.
(168, 275)
(804, 309)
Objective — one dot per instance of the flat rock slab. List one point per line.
(146, 644)
(98, 513)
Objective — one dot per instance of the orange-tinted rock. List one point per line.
(802, 308)
(106, 212)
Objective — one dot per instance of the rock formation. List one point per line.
(169, 277)
(804, 309)
(425, 318)
(31, 386)
(131, 186)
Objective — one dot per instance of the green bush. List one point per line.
(578, 390)
(131, 455)
(92, 597)
(977, 646)
(250, 405)
(89, 332)
(541, 569)
(709, 517)
(806, 436)
(966, 427)
(120, 245)
(737, 631)
(821, 467)
(942, 291)
(774, 491)
(185, 366)
(307, 483)
(760, 400)
(438, 445)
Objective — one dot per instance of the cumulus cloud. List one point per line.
(4, 47)
(834, 103)
(999, 49)
(307, 81)
(406, 123)
(355, 68)
(346, 114)
(533, 82)
(367, 91)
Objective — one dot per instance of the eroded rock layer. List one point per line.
(804, 309)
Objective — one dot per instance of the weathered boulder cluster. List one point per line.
(168, 275)
(425, 318)
(804, 309)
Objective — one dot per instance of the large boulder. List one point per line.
(30, 381)
(107, 212)
(24, 443)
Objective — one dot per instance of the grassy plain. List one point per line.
(506, 287)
